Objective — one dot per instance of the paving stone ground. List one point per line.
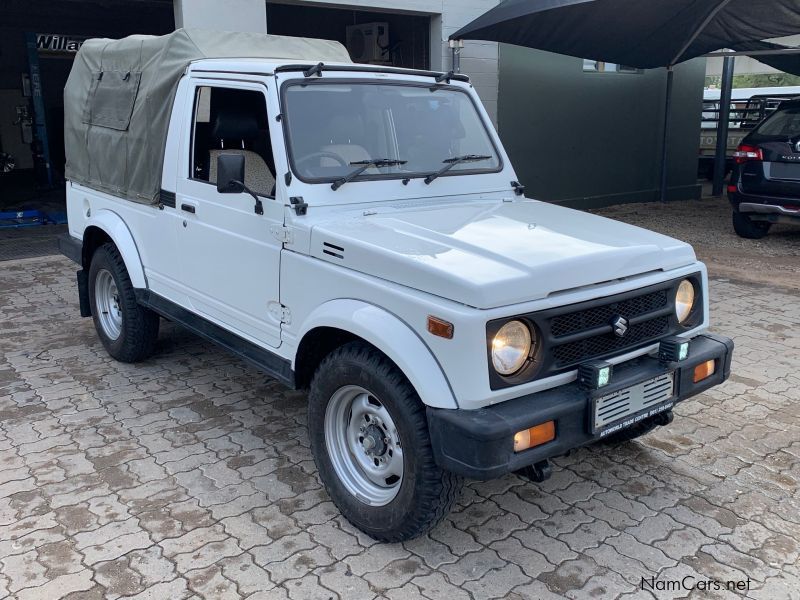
(190, 476)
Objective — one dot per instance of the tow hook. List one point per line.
(538, 472)
(664, 418)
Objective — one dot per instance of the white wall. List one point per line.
(225, 15)
(479, 60)
(750, 66)
(744, 65)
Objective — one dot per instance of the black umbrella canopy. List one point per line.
(638, 33)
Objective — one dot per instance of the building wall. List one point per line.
(591, 139)
(226, 15)
(111, 18)
(750, 66)
(479, 60)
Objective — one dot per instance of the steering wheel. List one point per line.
(342, 162)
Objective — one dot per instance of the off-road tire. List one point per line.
(427, 493)
(745, 227)
(139, 330)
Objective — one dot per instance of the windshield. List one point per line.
(409, 130)
(784, 123)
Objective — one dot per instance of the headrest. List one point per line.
(234, 125)
(346, 129)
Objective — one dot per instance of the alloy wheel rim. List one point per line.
(109, 309)
(363, 445)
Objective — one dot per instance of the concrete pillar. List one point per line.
(223, 15)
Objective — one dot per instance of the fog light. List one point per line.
(704, 370)
(595, 375)
(673, 349)
(535, 436)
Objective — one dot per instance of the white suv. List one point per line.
(358, 231)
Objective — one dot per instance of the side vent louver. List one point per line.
(332, 250)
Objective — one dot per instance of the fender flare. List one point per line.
(392, 336)
(113, 225)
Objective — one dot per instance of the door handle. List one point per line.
(188, 208)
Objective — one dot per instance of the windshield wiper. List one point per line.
(364, 165)
(452, 162)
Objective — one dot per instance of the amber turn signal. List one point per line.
(440, 327)
(704, 370)
(535, 436)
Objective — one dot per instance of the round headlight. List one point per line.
(511, 347)
(684, 300)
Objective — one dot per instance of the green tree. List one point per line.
(756, 81)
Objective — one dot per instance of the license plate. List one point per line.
(628, 406)
(785, 170)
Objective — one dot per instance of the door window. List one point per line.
(232, 121)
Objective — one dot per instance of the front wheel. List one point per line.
(369, 437)
(127, 330)
(745, 227)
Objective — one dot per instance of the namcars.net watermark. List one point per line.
(689, 583)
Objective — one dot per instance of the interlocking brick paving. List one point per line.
(28, 242)
(190, 475)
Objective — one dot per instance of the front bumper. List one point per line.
(479, 443)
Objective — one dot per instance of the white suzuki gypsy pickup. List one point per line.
(358, 231)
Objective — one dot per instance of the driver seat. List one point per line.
(241, 129)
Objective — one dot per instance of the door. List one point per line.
(229, 255)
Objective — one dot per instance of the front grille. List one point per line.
(573, 353)
(598, 316)
(584, 332)
(573, 334)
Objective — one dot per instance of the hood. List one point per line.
(490, 254)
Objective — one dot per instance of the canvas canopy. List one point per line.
(118, 100)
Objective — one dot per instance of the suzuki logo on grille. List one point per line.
(620, 325)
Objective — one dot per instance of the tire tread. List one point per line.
(440, 489)
(140, 325)
(745, 227)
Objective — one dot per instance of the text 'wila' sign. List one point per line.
(56, 43)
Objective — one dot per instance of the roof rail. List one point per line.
(317, 69)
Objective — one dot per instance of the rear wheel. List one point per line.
(369, 437)
(127, 330)
(747, 228)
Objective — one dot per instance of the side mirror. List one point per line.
(230, 174)
(230, 178)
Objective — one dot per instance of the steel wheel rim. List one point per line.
(363, 445)
(109, 312)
